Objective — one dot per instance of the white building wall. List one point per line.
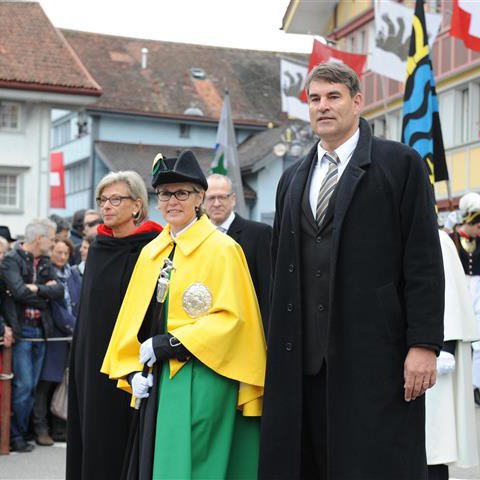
(27, 152)
(265, 184)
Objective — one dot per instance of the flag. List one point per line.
(465, 23)
(225, 160)
(292, 82)
(57, 180)
(421, 127)
(323, 53)
(392, 38)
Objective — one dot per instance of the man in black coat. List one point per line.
(253, 237)
(357, 301)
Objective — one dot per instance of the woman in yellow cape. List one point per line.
(206, 386)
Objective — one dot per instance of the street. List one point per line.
(49, 463)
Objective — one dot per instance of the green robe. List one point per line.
(200, 433)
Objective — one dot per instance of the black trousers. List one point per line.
(438, 472)
(314, 427)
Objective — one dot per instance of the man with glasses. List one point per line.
(253, 237)
(91, 220)
(27, 284)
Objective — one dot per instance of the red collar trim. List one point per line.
(145, 227)
(463, 234)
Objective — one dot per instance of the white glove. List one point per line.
(445, 363)
(147, 355)
(141, 385)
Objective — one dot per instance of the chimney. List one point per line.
(144, 58)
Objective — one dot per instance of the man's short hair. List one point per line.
(77, 220)
(38, 227)
(334, 72)
(218, 176)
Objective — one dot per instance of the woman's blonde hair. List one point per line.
(135, 184)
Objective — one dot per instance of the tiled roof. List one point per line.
(137, 157)
(168, 88)
(35, 56)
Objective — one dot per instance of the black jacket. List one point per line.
(255, 238)
(386, 294)
(16, 271)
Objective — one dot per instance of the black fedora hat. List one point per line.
(5, 233)
(184, 168)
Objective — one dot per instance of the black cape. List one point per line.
(98, 412)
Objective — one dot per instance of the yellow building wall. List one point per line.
(458, 172)
(474, 180)
(349, 9)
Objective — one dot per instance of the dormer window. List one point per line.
(198, 73)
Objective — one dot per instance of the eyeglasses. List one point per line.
(181, 195)
(115, 200)
(220, 198)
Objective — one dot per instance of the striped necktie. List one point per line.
(327, 187)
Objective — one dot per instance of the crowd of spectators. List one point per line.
(40, 280)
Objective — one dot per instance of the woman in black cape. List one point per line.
(98, 412)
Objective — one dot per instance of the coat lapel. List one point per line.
(298, 185)
(349, 182)
(235, 228)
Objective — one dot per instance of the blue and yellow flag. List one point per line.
(421, 127)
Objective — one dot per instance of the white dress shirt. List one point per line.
(344, 153)
(226, 224)
(175, 235)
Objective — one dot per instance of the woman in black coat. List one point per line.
(99, 413)
(64, 316)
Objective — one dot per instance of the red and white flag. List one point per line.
(466, 23)
(57, 180)
(323, 53)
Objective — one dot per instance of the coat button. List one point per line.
(318, 239)
(318, 273)
(292, 232)
(290, 307)
(291, 268)
(321, 308)
(288, 347)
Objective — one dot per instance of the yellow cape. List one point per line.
(228, 338)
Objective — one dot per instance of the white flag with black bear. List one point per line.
(292, 81)
(393, 27)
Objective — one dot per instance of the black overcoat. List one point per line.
(386, 294)
(255, 239)
(98, 412)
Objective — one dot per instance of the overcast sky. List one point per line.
(251, 24)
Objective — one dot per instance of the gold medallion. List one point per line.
(469, 245)
(197, 300)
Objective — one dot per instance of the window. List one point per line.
(9, 191)
(184, 130)
(351, 44)
(464, 133)
(76, 177)
(394, 126)
(361, 42)
(9, 116)
(61, 134)
(446, 107)
(380, 127)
